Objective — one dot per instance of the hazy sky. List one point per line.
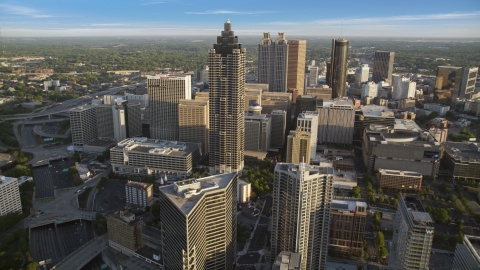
(409, 18)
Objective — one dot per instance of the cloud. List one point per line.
(107, 24)
(154, 3)
(228, 12)
(24, 11)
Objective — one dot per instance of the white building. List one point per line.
(313, 78)
(403, 88)
(361, 75)
(9, 196)
(308, 121)
(369, 90)
(54, 83)
(438, 108)
(243, 191)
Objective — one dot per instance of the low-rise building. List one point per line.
(287, 260)
(9, 196)
(124, 232)
(467, 254)
(140, 155)
(347, 229)
(438, 108)
(462, 159)
(138, 194)
(399, 179)
(439, 134)
(344, 180)
(404, 147)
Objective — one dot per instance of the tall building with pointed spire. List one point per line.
(337, 75)
(272, 62)
(227, 102)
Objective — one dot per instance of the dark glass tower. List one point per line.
(383, 67)
(337, 77)
(227, 102)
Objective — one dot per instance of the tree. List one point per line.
(382, 252)
(100, 158)
(156, 210)
(365, 255)
(9, 238)
(380, 239)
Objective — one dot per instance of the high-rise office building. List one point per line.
(199, 222)
(116, 121)
(336, 120)
(338, 67)
(369, 90)
(308, 121)
(467, 254)
(164, 93)
(383, 66)
(403, 88)
(361, 75)
(313, 78)
(272, 62)
(193, 123)
(276, 101)
(297, 51)
(124, 232)
(305, 103)
(227, 102)
(347, 230)
(298, 147)
(279, 126)
(201, 74)
(447, 84)
(412, 235)
(257, 132)
(468, 82)
(302, 196)
(9, 196)
(243, 192)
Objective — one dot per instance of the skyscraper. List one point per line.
(164, 93)
(308, 121)
(313, 78)
(298, 146)
(302, 196)
(193, 124)
(412, 235)
(383, 66)
(199, 221)
(297, 50)
(279, 125)
(447, 84)
(361, 75)
(468, 82)
(227, 102)
(272, 62)
(336, 120)
(403, 87)
(338, 67)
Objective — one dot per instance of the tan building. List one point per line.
(9, 196)
(276, 101)
(297, 50)
(193, 122)
(399, 179)
(138, 194)
(252, 96)
(164, 93)
(347, 229)
(199, 221)
(124, 232)
(439, 134)
(298, 146)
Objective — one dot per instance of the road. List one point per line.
(85, 254)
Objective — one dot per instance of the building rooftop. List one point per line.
(185, 194)
(417, 212)
(125, 216)
(338, 102)
(350, 205)
(396, 172)
(463, 151)
(138, 184)
(344, 179)
(287, 260)
(376, 111)
(322, 169)
(251, 116)
(406, 124)
(157, 147)
(6, 180)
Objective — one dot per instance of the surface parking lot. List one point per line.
(51, 177)
(55, 243)
(111, 197)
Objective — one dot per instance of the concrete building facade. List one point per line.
(336, 119)
(468, 82)
(301, 212)
(438, 108)
(298, 147)
(199, 221)
(412, 235)
(257, 132)
(9, 196)
(193, 122)
(308, 122)
(124, 232)
(369, 89)
(165, 93)
(405, 180)
(140, 156)
(467, 254)
(361, 75)
(243, 191)
(462, 159)
(347, 229)
(403, 88)
(227, 103)
(138, 194)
